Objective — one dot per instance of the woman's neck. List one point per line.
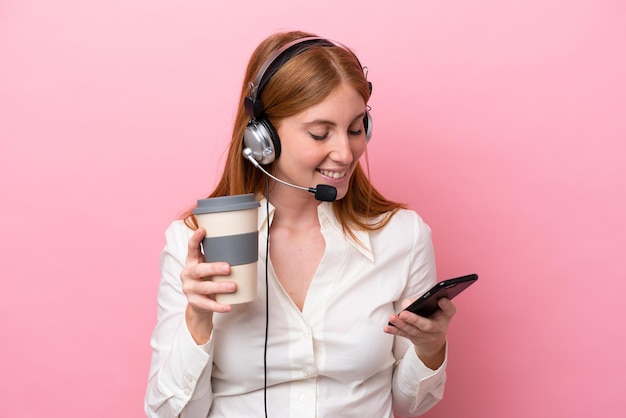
(294, 207)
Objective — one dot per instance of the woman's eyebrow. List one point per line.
(332, 123)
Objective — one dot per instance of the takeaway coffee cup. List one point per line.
(232, 236)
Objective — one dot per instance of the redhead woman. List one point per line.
(333, 270)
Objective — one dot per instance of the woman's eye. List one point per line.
(318, 137)
(356, 133)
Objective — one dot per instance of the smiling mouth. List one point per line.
(333, 174)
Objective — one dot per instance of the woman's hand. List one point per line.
(201, 290)
(428, 335)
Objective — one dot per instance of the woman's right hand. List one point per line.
(201, 290)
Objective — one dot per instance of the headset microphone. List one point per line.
(322, 192)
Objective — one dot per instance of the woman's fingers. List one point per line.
(427, 333)
(201, 296)
(197, 276)
(194, 252)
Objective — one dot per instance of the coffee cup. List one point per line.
(232, 236)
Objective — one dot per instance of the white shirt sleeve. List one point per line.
(179, 380)
(415, 387)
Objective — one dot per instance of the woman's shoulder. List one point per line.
(405, 228)
(406, 218)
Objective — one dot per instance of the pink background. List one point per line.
(501, 123)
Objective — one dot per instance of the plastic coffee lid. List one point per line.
(226, 204)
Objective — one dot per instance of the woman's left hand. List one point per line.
(428, 335)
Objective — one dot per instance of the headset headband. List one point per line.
(253, 105)
(279, 58)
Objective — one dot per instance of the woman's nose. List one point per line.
(341, 150)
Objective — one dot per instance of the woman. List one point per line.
(336, 272)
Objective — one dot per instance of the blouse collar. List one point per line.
(326, 216)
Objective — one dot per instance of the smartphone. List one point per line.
(426, 305)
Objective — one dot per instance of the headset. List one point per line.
(260, 137)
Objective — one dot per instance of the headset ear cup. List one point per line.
(368, 125)
(273, 135)
(262, 139)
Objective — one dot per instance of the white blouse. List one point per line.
(330, 360)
